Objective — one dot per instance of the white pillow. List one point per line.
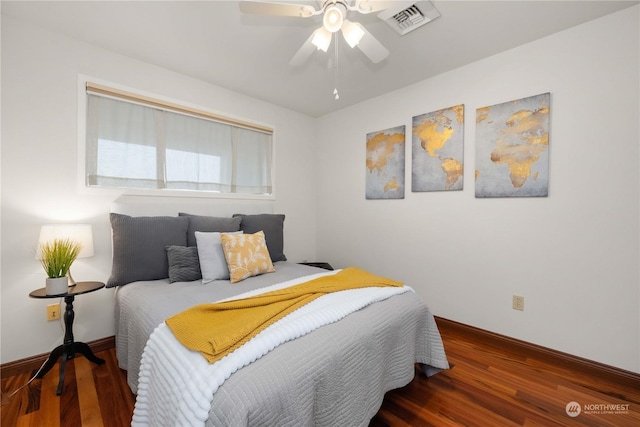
(213, 264)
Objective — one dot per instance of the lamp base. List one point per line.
(72, 282)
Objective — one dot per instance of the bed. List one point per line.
(335, 373)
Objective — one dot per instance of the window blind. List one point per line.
(97, 89)
(139, 142)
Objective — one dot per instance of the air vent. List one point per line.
(409, 15)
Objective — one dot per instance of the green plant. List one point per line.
(57, 256)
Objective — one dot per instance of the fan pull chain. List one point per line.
(335, 79)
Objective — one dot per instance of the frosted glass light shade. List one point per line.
(81, 233)
(334, 17)
(321, 39)
(352, 33)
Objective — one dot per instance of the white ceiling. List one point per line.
(214, 42)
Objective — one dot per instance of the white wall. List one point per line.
(573, 255)
(39, 145)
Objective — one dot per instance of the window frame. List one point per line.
(84, 188)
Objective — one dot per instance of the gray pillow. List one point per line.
(273, 227)
(213, 264)
(209, 224)
(184, 264)
(139, 246)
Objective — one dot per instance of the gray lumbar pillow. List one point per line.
(139, 246)
(184, 265)
(209, 224)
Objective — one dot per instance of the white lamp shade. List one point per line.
(80, 233)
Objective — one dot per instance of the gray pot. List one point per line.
(57, 285)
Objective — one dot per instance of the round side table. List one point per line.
(69, 347)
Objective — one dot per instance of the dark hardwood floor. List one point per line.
(93, 395)
(488, 385)
(493, 383)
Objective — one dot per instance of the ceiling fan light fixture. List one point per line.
(334, 17)
(321, 39)
(352, 33)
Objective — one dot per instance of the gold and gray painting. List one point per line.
(438, 150)
(512, 148)
(385, 164)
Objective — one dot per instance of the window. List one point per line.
(141, 143)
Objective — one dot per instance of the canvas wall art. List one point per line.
(385, 164)
(437, 155)
(512, 148)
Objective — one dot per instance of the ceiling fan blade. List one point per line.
(278, 9)
(303, 54)
(369, 6)
(371, 47)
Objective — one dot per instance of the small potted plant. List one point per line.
(56, 258)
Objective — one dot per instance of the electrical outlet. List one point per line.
(518, 303)
(53, 311)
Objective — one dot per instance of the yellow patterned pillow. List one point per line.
(246, 254)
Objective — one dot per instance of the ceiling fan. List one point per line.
(334, 19)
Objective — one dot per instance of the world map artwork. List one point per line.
(512, 148)
(437, 150)
(385, 164)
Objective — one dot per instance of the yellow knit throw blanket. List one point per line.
(217, 329)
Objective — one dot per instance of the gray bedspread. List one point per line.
(336, 375)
